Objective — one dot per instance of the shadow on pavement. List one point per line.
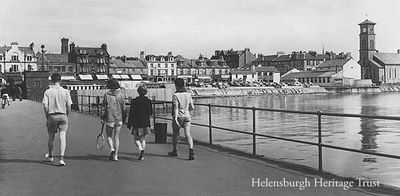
(43, 162)
(135, 155)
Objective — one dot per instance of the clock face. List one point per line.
(364, 29)
(371, 30)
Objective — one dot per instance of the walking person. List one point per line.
(113, 116)
(139, 119)
(57, 106)
(19, 93)
(182, 104)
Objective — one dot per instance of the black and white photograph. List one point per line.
(200, 98)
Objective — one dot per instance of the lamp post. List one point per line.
(43, 51)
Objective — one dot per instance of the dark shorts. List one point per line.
(57, 122)
(183, 122)
(140, 131)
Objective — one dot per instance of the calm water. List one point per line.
(365, 134)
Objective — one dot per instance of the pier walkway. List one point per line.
(23, 143)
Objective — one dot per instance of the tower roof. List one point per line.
(367, 22)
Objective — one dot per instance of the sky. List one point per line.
(189, 27)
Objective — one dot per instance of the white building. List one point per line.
(348, 68)
(160, 68)
(17, 59)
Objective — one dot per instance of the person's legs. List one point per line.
(188, 135)
(63, 143)
(137, 141)
(175, 133)
(189, 139)
(51, 131)
(109, 132)
(50, 143)
(116, 138)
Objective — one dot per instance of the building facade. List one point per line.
(89, 60)
(160, 68)
(16, 59)
(348, 67)
(252, 73)
(202, 69)
(303, 61)
(235, 58)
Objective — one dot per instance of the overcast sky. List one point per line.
(192, 27)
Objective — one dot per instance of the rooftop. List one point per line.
(388, 58)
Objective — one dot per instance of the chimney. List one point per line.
(260, 55)
(64, 46)
(169, 54)
(31, 46)
(104, 46)
(398, 51)
(142, 55)
(72, 47)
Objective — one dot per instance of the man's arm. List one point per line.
(45, 102)
(69, 103)
(175, 109)
(191, 105)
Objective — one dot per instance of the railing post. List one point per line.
(98, 105)
(81, 103)
(154, 112)
(89, 102)
(319, 143)
(209, 122)
(254, 132)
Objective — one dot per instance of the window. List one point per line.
(14, 57)
(159, 65)
(14, 68)
(151, 72)
(29, 58)
(63, 68)
(37, 83)
(1, 58)
(71, 68)
(390, 72)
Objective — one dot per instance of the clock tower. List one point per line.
(367, 47)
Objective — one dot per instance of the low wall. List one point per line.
(370, 89)
(241, 91)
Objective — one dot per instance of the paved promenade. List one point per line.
(23, 142)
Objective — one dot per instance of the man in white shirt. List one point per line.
(57, 105)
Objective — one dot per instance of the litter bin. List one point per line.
(160, 132)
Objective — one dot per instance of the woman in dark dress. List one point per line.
(139, 119)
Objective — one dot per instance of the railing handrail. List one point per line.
(319, 114)
(282, 110)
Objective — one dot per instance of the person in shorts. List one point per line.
(139, 119)
(182, 104)
(57, 106)
(113, 116)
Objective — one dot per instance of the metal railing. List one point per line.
(254, 133)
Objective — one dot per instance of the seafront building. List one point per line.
(303, 61)
(251, 73)
(160, 68)
(339, 72)
(378, 66)
(14, 60)
(235, 58)
(202, 69)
